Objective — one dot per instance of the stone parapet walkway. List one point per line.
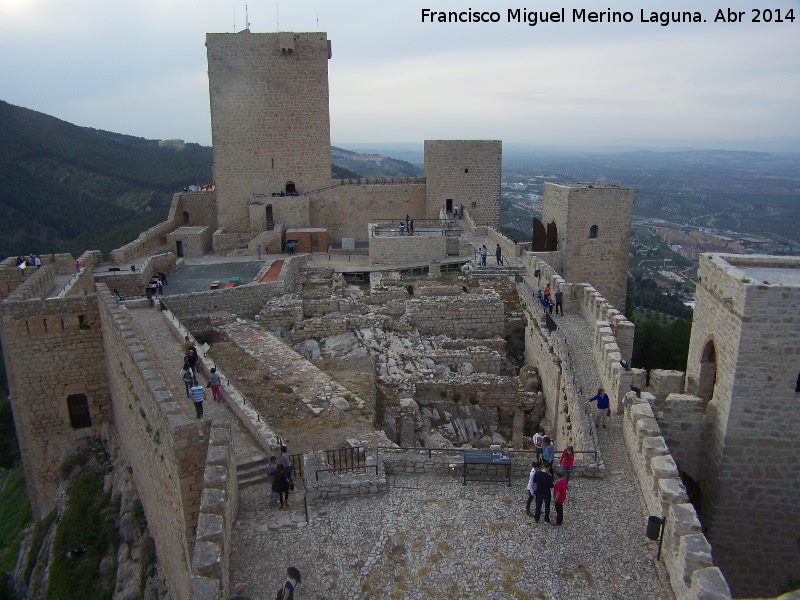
(166, 352)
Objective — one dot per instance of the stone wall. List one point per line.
(468, 172)
(133, 283)
(386, 250)
(11, 276)
(469, 315)
(594, 228)
(324, 485)
(269, 118)
(508, 247)
(686, 551)
(244, 300)
(347, 210)
(682, 423)
(166, 450)
(53, 348)
(743, 362)
(218, 506)
(484, 360)
(190, 241)
(187, 208)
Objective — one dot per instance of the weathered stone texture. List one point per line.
(743, 363)
(602, 260)
(270, 124)
(468, 173)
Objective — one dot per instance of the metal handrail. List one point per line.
(462, 451)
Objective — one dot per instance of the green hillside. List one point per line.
(68, 188)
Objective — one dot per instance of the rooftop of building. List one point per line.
(760, 269)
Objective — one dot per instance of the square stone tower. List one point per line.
(744, 361)
(270, 122)
(592, 224)
(465, 173)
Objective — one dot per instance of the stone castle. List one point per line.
(717, 439)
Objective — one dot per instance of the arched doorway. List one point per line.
(708, 372)
(544, 239)
(291, 189)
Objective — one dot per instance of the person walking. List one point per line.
(567, 461)
(559, 302)
(538, 438)
(497, 255)
(197, 397)
(214, 383)
(191, 358)
(286, 461)
(258, 249)
(187, 343)
(603, 407)
(559, 496)
(293, 581)
(484, 254)
(187, 376)
(281, 485)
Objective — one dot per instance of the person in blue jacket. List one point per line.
(602, 407)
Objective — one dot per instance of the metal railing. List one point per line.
(534, 454)
(345, 460)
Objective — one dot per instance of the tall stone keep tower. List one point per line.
(465, 173)
(591, 223)
(270, 121)
(744, 362)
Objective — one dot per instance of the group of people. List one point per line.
(289, 590)
(408, 226)
(281, 478)
(483, 253)
(31, 261)
(290, 246)
(550, 300)
(194, 390)
(544, 478)
(457, 214)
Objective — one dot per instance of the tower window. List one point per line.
(466, 170)
(593, 232)
(78, 406)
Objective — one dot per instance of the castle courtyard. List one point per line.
(429, 536)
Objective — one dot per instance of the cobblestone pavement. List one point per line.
(166, 352)
(430, 537)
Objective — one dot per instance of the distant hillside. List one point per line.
(373, 165)
(65, 188)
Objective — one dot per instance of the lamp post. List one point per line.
(655, 531)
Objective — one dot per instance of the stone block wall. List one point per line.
(244, 300)
(324, 485)
(166, 451)
(593, 223)
(484, 360)
(664, 382)
(743, 361)
(406, 249)
(468, 172)
(682, 424)
(11, 276)
(347, 210)
(469, 315)
(53, 348)
(187, 208)
(218, 506)
(269, 119)
(508, 247)
(133, 283)
(686, 551)
(194, 241)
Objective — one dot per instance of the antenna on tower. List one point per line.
(277, 17)
(246, 19)
(234, 18)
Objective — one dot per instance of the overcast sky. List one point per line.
(140, 68)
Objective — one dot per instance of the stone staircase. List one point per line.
(491, 270)
(252, 471)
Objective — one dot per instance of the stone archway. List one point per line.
(708, 372)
